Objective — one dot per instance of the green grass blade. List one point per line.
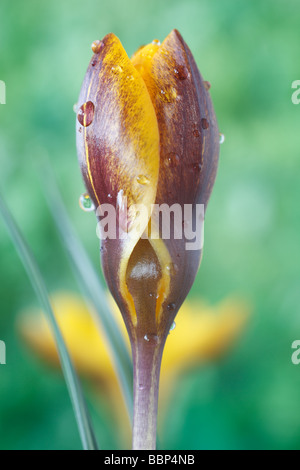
(90, 284)
(80, 409)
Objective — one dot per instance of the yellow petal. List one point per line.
(119, 149)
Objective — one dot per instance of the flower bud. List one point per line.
(148, 145)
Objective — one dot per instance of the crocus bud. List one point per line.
(148, 143)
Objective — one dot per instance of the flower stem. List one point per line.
(147, 356)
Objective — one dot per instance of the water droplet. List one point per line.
(207, 85)
(86, 113)
(117, 69)
(151, 338)
(153, 295)
(172, 160)
(109, 196)
(94, 62)
(168, 94)
(85, 203)
(222, 139)
(196, 133)
(97, 46)
(156, 42)
(142, 179)
(197, 167)
(204, 123)
(171, 307)
(168, 268)
(175, 266)
(173, 326)
(181, 72)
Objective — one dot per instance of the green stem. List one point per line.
(147, 356)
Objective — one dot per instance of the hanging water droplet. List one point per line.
(222, 139)
(97, 46)
(117, 69)
(142, 179)
(181, 72)
(86, 114)
(171, 307)
(173, 326)
(156, 42)
(172, 160)
(85, 203)
(207, 85)
(204, 123)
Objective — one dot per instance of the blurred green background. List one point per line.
(249, 51)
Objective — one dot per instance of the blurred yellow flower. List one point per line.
(202, 333)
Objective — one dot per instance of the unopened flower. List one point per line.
(147, 137)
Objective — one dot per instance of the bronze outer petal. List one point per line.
(189, 152)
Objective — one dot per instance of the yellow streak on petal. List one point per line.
(164, 258)
(134, 137)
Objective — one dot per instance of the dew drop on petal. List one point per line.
(85, 203)
(197, 167)
(168, 94)
(86, 114)
(151, 338)
(172, 160)
(173, 326)
(117, 69)
(97, 46)
(204, 123)
(156, 42)
(153, 295)
(181, 72)
(222, 139)
(142, 179)
(171, 307)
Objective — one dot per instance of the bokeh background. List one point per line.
(249, 51)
